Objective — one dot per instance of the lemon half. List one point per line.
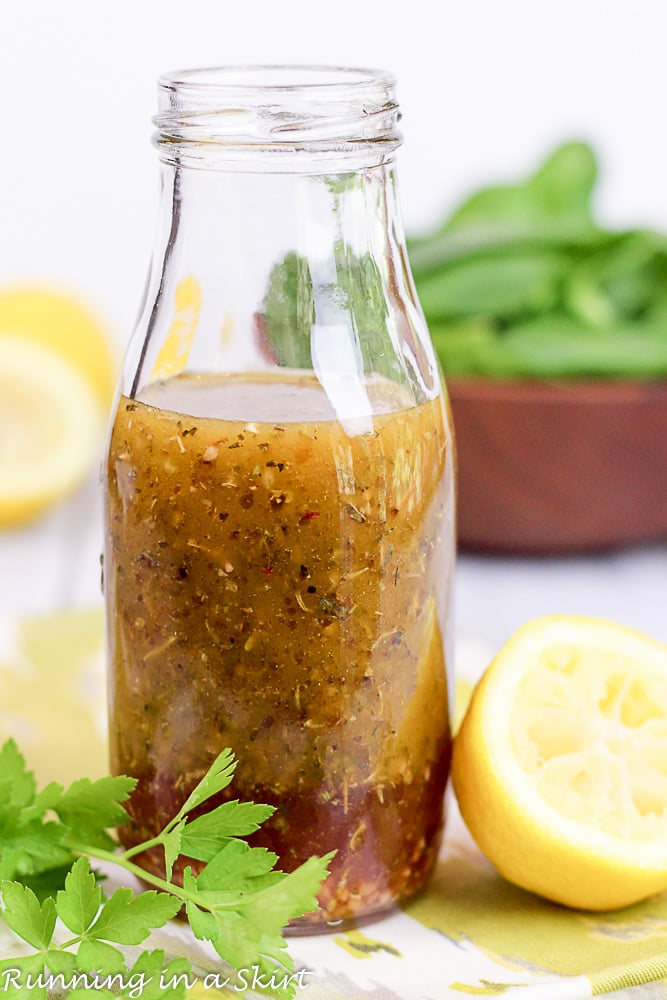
(560, 766)
(50, 423)
(59, 321)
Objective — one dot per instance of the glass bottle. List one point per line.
(280, 488)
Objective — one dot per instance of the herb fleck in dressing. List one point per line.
(278, 587)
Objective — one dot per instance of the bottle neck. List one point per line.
(247, 254)
(280, 243)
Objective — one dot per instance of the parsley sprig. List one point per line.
(239, 901)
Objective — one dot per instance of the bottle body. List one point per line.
(280, 540)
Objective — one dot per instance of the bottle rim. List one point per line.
(241, 111)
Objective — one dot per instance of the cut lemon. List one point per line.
(560, 765)
(60, 322)
(50, 421)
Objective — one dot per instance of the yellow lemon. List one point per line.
(50, 422)
(70, 329)
(560, 765)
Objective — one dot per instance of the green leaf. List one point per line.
(245, 946)
(99, 957)
(171, 841)
(17, 784)
(564, 184)
(469, 347)
(155, 979)
(218, 776)
(31, 920)
(60, 962)
(626, 275)
(205, 836)
(34, 848)
(236, 868)
(203, 923)
(498, 286)
(288, 313)
(90, 808)
(561, 187)
(43, 801)
(48, 882)
(239, 941)
(346, 294)
(553, 348)
(442, 249)
(251, 932)
(20, 968)
(362, 299)
(81, 993)
(289, 898)
(77, 905)
(129, 919)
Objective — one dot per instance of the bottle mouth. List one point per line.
(276, 110)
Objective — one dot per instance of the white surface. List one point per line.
(495, 596)
(486, 88)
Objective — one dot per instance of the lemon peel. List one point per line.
(560, 765)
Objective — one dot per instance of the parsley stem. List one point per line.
(123, 862)
(140, 848)
(69, 944)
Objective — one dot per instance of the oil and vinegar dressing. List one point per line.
(278, 586)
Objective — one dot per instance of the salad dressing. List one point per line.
(279, 586)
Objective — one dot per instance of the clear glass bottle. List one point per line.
(280, 487)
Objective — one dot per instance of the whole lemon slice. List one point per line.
(560, 765)
(50, 422)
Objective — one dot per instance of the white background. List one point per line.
(486, 87)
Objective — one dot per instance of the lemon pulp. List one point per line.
(591, 728)
(560, 766)
(50, 421)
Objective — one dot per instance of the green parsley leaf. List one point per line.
(240, 943)
(99, 957)
(82, 993)
(43, 800)
(60, 962)
(205, 836)
(237, 869)
(218, 776)
(48, 882)
(291, 897)
(172, 843)
(14, 980)
(17, 784)
(129, 919)
(79, 902)
(159, 980)
(90, 808)
(27, 917)
(32, 848)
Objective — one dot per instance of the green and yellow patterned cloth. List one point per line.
(470, 934)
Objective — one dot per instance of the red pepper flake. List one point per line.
(267, 571)
(309, 516)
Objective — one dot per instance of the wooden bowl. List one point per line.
(560, 467)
